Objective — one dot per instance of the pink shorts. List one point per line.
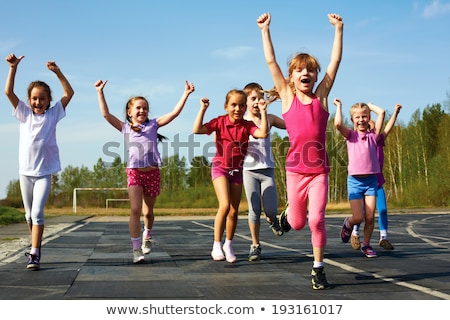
(233, 175)
(148, 180)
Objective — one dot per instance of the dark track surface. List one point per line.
(90, 258)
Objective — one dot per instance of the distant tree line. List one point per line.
(417, 163)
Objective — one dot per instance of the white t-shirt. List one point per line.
(38, 150)
(259, 154)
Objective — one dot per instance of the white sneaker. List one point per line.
(217, 254)
(229, 254)
(146, 246)
(138, 257)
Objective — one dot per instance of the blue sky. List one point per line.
(394, 52)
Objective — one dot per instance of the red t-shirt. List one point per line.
(231, 141)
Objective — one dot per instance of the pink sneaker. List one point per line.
(368, 251)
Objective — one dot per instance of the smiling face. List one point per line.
(235, 105)
(39, 100)
(360, 116)
(303, 72)
(137, 110)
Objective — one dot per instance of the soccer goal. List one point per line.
(75, 190)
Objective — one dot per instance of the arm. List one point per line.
(168, 117)
(68, 91)
(279, 80)
(338, 119)
(326, 84)
(13, 62)
(392, 120)
(116, 123)
(276, 121)
(380, 117)
(263, 129)
(199, 128)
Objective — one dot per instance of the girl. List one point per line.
(232, 132)
(38, 150)
(307, 161)
(363, 167)
(141, 139)
(259, 172)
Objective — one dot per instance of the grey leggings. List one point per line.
(261, 192)
(35, 191)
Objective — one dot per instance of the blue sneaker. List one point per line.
(33, 262)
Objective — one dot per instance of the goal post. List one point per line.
(75, 190)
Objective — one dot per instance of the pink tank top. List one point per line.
(306, 125)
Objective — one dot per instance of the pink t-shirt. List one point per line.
(362, 153)
(231, 141)
(306, 126)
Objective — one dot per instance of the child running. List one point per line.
(141, 139)
(38, 149)
(232, 133)
(363, 167)
(381, 204)
(305, 112)
(259, 172)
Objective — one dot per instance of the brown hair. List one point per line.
(42, 85)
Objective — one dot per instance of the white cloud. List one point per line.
(436, 8)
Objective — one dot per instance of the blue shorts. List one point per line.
(358, 187)
(233, 175)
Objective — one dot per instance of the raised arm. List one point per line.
(115, 122)
(380, 116)
(198, 127)
(327, 82)
(68, 91)
(13, 62)
(263, 129)
(392, 120)
(168, 117)
(282, 86)
(338, 119)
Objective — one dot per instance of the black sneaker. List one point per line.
(33, 262)
(318, 279)
(255, 253)
(282, 220)
(276, 228)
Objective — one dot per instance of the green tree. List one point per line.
(199, 174)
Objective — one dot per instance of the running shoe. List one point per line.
(385, 244)
(319, 280)
(276, 228)
(217, 254)
(229, 254)
(146, 246)
(282, 220)
(138, 256)
(356, 244)
(345, 232)
(255, 253)
(33, 262)
(368, 251)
